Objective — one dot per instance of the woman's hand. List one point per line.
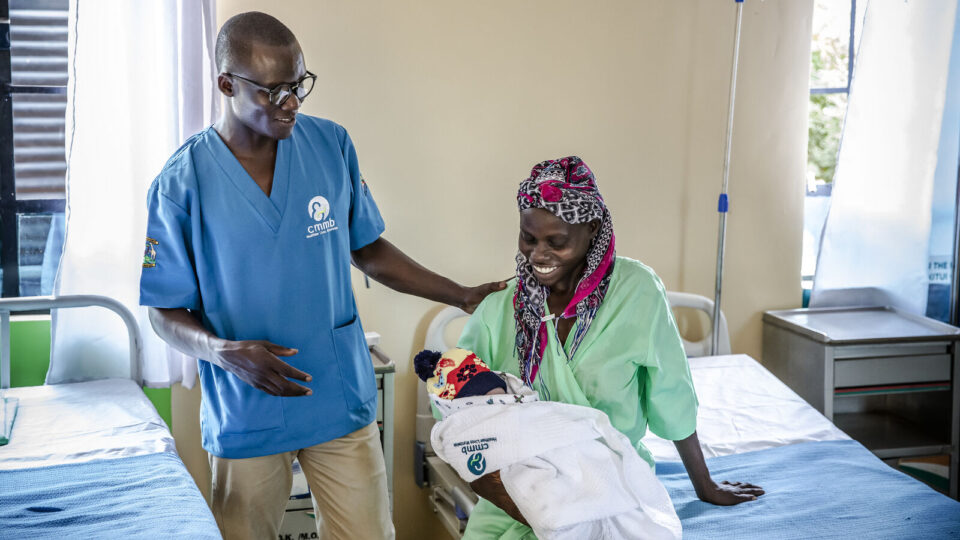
(729, 493)
(490, 487)
(722, 494)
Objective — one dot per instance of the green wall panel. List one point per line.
(161, 400)
(29, 351)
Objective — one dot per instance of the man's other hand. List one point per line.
(257, 363)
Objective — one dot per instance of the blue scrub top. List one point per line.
(275, 268)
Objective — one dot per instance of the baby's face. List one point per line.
(496, 391)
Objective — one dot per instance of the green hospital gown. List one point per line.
(630, 365)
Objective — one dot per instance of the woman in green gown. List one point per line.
(583, 326)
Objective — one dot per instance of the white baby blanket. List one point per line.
(570, 472)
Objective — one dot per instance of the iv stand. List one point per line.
(723, 202)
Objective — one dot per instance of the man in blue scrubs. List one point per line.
(252, 227)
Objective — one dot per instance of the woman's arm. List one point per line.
(490, 487)
(722, 494)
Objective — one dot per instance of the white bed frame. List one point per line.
(36, 303)
(8, 405)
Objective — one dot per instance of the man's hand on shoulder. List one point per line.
(257, 363)
(474, 295)
(385, 263)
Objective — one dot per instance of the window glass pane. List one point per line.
(38, 57)
(39, 159)
(831, 36)
(823, 140)
(823, 143)
(41, 243)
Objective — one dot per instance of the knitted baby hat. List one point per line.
(456, 373)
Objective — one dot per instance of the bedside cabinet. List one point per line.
(887, 378)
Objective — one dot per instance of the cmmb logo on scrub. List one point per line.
(319, 210)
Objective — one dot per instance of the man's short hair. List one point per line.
(236, 35)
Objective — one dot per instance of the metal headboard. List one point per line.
(33, 303)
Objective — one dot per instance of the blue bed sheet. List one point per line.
(833, 489)
(150, 496)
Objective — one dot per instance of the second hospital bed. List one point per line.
(93, 459)
(819, 482)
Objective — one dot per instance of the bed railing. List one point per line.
(33, 303)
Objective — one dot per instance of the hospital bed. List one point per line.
(819, 482)
(93, 459)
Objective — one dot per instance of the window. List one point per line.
(836, 32)
(33, 79)
(836, 36)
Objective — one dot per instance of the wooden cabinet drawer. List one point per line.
(891, 370)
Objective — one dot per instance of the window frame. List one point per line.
(850, 57)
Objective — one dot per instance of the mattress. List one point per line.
(744, 407)
(78, 422)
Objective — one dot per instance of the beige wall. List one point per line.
(451, 102)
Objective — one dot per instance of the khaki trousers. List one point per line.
(347, 477)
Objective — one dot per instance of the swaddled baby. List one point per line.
(570, 473)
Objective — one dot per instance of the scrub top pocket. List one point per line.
(356, 369)
(249, 409)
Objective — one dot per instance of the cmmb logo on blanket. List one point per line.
(477, 464)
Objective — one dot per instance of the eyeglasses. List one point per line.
(279, 94)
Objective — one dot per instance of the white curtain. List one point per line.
(875, 241)
(141, 82)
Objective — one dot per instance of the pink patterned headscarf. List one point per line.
(567, 189)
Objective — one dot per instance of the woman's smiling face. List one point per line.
(557, 250)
